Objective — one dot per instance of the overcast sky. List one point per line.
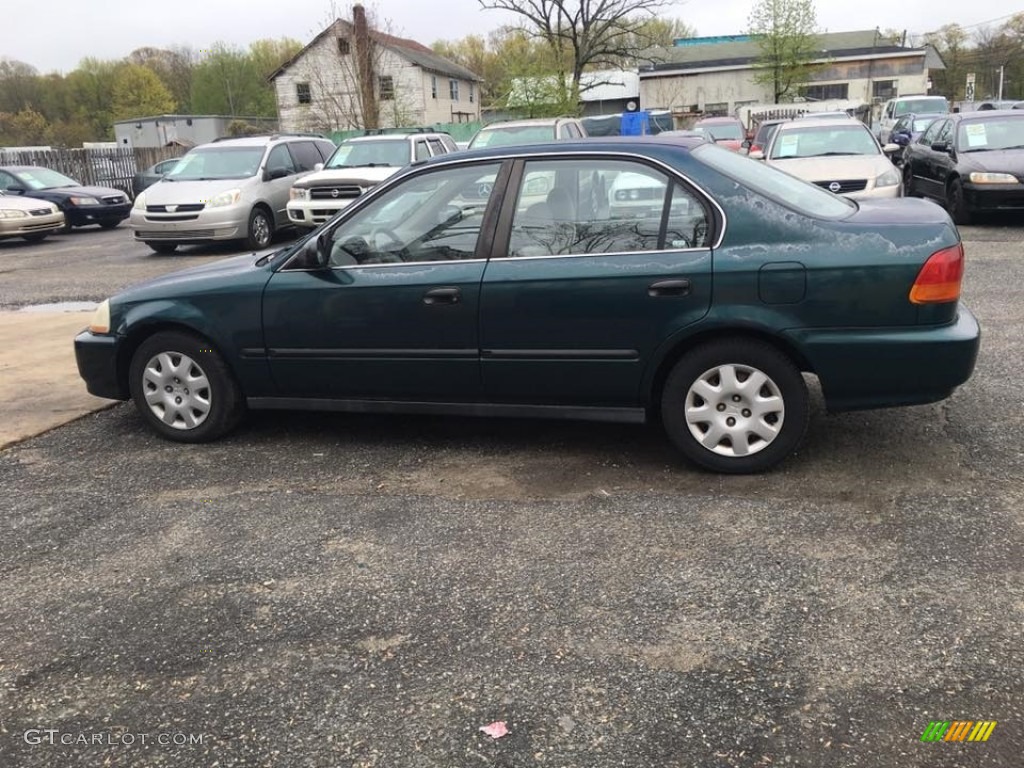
(57, 34)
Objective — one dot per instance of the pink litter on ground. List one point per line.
(495, 730)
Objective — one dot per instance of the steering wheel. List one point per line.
(392, 238)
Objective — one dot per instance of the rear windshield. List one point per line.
(723, 132)
(926, 104)
(509, 135)
(772, 183)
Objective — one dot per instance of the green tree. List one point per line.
(174, 66)
(951, 41)
(787, 35)
(90, 96)
(232, 81)
(138, 92)
(23, 128)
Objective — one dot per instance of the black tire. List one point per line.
(161, 247)
(218, 405)
(784, 382)
(956, 203)
(110, 223)
(261, 230)
(36, 237)
(908, 181)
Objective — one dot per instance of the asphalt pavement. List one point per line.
(371, 591)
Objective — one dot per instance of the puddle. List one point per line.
(61, 306)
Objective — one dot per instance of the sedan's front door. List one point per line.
(395, 314)
(604, 259)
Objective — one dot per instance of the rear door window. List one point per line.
(305, 154)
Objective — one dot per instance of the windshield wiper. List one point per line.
(834, 154)
(367, 165)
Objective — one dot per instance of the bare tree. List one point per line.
(787, 34)
(587, 34)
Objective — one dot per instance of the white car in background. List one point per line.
(358, 165)
(28, 217)
(842, 156)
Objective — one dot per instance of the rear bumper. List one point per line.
(96, 356)
(884, 367)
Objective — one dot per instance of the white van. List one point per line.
(913, 104)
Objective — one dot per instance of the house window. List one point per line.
(453, 89)
(883, 90)
(825, 92)
(343, 46)
(433, 86)
(387, 88)
(472, 95)
(303, 93)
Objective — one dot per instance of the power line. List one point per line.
(971, 26)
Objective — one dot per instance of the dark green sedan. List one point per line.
(619, 279)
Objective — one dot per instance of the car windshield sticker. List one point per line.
(976, 136)
(788, 146)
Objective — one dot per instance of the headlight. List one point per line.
(993, 178)
(230, 197)
(888, 179)
(84, 201)
(140, 202)
(12, 214)
(298, 193)
(100, 322)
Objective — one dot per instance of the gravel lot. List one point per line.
(370, 591)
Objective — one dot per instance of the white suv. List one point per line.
(358, 165)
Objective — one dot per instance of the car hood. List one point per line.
(15, 203)
(362, 176)
(193, 280)
(165, 192)
(832, 168)
(82, 191)
(998, 161)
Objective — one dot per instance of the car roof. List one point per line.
(982, 114)
(530, 121)
(717, 120)
(820, 122)
(643, 146)
(13, 168)
(393, 137)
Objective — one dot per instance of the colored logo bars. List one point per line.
(958, 730)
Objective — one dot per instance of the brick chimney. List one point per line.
(365, 68)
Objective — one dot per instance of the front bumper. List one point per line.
(877, 193)
(97, 356)
(229, 222)
(884, 367)
(82, 215)
(994, 197)
(31, 225)
(313, 213)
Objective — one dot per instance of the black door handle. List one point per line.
(669, 288)
(442, 296)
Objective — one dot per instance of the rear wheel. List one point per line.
(735, 406)
(162, 247)
(261, 230)
(183, 389)
(957, 203)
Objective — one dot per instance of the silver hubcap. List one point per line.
(177, 390)
(261, 229)
(734, 410)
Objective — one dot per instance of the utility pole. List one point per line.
(1002, 68)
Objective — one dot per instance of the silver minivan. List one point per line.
(229, 189)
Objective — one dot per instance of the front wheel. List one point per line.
(908, 180)
(957, 203)
(735, 406)
(110, 223)
(183, 388)
(36, 237)
(261, 230)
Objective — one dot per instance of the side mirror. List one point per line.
(940, 146)
(890, 148)
(322, 254)
(756, 154)
(16, 189)
(275, 173)
(318, 167)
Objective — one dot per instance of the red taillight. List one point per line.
(755, 148)
(938, 281)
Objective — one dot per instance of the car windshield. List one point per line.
(208, 163)
(509, 135)
(930, 104)
(723, 132)
(370, 154)
(775, 184)
(824, 141)
(991, 134)
(44, 178)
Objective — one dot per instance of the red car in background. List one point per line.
(727, 132)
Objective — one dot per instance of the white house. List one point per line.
(319, 89)
(716, 75)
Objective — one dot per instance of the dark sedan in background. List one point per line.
(82, 205)
(147, 178)
(909, 128)
(972, 162)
